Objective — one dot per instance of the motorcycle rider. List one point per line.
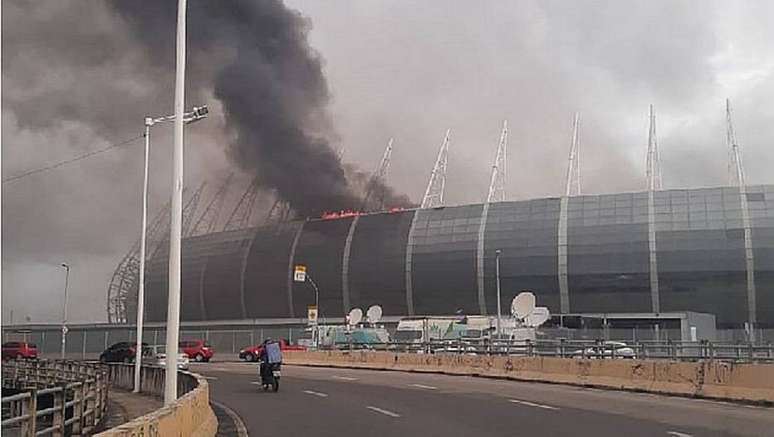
(270, 356)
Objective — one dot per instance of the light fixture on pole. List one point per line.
(497, 274)
(196, 114)
(64, 310)
(176, 215)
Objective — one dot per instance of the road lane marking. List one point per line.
(316, 393)
(385, 412)
(211, 378)
(344, 378)
(532, 404)
(256, 382)
(678, 434)
(426, 387)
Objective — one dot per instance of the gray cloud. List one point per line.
(397, 69)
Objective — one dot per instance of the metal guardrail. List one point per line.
(69, 397)
(76, 393)
(599, 349)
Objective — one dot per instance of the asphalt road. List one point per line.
(343, 402)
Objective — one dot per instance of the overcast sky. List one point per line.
(74, 81)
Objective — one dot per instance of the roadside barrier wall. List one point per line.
(749, 382)
(189, 416)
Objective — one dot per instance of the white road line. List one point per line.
(344, 378)
(426, 387)
(385, 412)
(678, 434)
(532, 404)
(316, 393)
(255, 382)
(211, 378)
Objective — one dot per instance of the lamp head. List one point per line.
(200, 111)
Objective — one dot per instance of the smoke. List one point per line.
(79, 76)
(256, 59)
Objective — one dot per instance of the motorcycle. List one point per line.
(270, 375)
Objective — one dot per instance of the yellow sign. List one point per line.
(299, 274)
(311, 313)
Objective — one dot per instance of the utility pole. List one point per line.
(176, 215)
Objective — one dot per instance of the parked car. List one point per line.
(197, 350)
(251, 353)
(122, 352)
(19, 349)
(608, 349)
(157, 356)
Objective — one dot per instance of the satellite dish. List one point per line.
(523, 304)
(355, 316)
(537, 317)
(374, 314)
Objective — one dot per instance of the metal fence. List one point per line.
(56, 397)
(598, 349)
(88, 343)
(70, 398)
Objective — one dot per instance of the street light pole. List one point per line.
(141, 286)
(176, 215)
(64, 310)
(195, 115)
(497, 273)
(317, 305)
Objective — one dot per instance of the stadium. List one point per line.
(441, 260)
(698, 250)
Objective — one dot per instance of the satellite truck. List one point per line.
(520, 326)
(354, 334)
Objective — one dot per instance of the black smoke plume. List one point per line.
(255, 57)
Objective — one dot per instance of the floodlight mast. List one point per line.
(653, 165)
(499, 169)
(573, 184)
(653, 179)
(435, 188)
(738, 179)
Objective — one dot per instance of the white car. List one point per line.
(608, 349)
(156, 356)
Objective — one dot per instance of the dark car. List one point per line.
(19, 349)
(197, 350)
(123, 352)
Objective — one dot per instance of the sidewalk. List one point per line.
(124, 406)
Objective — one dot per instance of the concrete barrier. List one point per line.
(708, 379)
(189, 416)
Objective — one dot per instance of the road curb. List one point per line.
(241, 429)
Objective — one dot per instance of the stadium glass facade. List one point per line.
(427, 261)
